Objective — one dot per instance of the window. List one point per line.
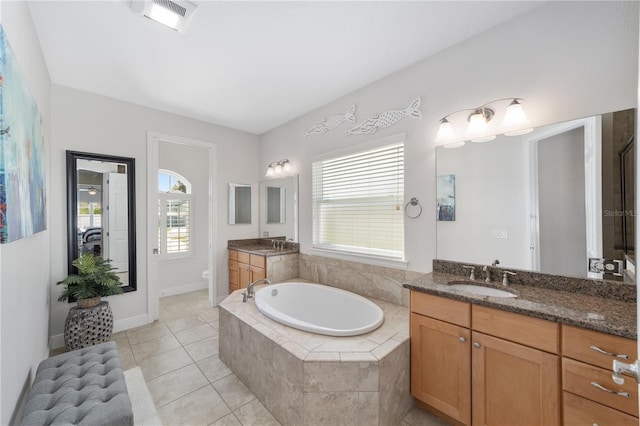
(174, 214)
(358, 202)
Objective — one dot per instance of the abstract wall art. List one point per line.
(446, 198)
(22, 172)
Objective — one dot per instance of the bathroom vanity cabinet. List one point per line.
(245, 268)
(484, 366)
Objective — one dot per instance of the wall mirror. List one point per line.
(239, 204)
(101, 211)
(279, 208)
(546, 201)
(276, 200)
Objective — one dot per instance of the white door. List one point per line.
(116, 242)
(153, 142)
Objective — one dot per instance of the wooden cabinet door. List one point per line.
(440, 366)
(244, 275)
(257, 273)
(513, 384)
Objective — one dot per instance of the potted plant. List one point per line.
(95, 278)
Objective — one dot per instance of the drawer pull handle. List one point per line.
(602, 388)
(463, 339)
(597, 349)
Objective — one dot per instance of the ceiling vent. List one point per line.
(175, 14)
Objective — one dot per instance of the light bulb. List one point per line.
(484, 138)
(278, 169)
(454, 145)
(269, 171)
(445, 132)
(286, 168)
(514, 118)
(477, 124)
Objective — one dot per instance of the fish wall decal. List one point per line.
(324, 125)
(386, 119)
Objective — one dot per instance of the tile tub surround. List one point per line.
(568, 307)
(377, 282)
(310, 379)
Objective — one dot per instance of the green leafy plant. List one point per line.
(95, 277)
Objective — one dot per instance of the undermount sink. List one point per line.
(481, 291)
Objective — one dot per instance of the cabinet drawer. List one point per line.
(533, 332)
(233, 255)
(257, 260)
(451, 311)
(580, 411)
(577, 378)
(577, 342)
(243, 257)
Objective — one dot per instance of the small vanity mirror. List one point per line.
(101, 211)
(276, 204)
(279, 208)
(547, 201)
(239, 204)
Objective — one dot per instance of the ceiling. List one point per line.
(250, 65)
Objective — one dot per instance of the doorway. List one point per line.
(180, 210)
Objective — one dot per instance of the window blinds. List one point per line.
(358, 202)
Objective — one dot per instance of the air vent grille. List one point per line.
(175, 8)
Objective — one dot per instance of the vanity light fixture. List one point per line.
(92, 190)
(479, 129)
(279, 168)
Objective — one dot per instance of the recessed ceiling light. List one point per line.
(175, 14)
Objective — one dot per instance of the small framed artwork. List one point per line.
(446, 198)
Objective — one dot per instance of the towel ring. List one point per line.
(414, 202)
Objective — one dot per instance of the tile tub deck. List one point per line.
(310, 379)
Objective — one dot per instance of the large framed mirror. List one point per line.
(101, 211)
(239, 204)
(279, 208)
(556, 200)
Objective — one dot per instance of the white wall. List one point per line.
(184, 274)
(492, 195)
(24, 264)
(93, 123)
(567, 59)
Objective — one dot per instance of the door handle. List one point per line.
(155, 251)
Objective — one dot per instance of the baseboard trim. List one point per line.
(57, 340)
(185, 288)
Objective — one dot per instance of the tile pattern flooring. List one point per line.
(178, 356)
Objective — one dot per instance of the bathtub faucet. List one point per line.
(250, 286)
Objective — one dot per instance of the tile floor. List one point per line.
(178, 356)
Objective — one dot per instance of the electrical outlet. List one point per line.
(501, 234)
(605, 266)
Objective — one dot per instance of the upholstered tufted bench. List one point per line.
(83, 387)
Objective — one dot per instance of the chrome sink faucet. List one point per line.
(487, 270)
(250, 286)
(472, 275)
(505, 277)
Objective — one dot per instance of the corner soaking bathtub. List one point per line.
(319, 309)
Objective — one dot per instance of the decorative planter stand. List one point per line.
(89, 326)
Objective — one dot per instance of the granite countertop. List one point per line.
(264, 246)
(607, 315)
(265, 251)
